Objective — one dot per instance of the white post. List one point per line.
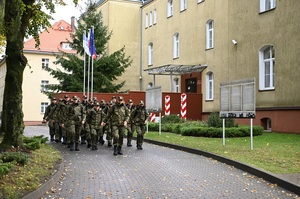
(84, 68)
(223, 131)
(92, 78)
(251, 134)
(160, 123)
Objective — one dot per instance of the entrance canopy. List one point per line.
(174, 69)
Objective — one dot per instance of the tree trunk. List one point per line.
(12, 125)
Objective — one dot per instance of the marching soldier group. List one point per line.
(73, 121)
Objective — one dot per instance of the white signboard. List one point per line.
(237, 99)
(154, 99)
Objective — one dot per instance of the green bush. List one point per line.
(152, 126)
(19, 157)
(213, 120)
(34, 143)
(170, 119)
(5, 168)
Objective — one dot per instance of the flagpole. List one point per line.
(92, 76)
(84, 67)
(88, 89)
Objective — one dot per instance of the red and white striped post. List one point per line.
(183, 106)
(152, 117)
(167, 104)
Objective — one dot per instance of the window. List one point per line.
(150, 19)
(209, 86)
(150, 54)
(44, 106)
(191, 85)
(182, 5)
(266, 5)
(154, 16)
(146, 20)
(176, 45)
(45, 63)
(170, 8)
(266, 68)
(43, 85)
(176, 84)
(210, 34)
(66, 46)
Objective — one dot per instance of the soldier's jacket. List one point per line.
(117, 115)
(80, 113)
(95, 117)
(63, 112)
(131, 109)
(49, 112)
(139, 115)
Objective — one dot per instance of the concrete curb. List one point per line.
(254, 171)
(46, 186)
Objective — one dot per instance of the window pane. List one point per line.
(267, 74)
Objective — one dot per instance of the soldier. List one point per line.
(80, 116)
(140, 118)
(84, 104)
(50, 118)
(114, 99)
(90, 107)
(119, 116)
(107, 128)
(62, 115)
(101, 133)
(130, 125)
(94, 118)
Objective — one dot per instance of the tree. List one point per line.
(2, 37)
(22, 18)
(106, 69)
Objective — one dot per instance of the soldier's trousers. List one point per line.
(70, 133)
(108, 132)
(77, 133)
(130, 131)
(95, 135)
(118, 135)
(140, 130)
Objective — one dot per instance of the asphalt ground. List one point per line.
(154, 172)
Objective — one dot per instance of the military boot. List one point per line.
(64, 140)
(129, 143)
(89, 143)
(120, 150)
(52, 138)
(101, 141)
(109, 143)
(76, 147)
(72, 146)
(115, 150)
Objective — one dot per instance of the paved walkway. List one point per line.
(155, 172)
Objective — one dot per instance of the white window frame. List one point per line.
(176, 45)
(183, 5)
(146, 20)
(176, 85)
(43, 84)
(150, 54)
(44, 106)
(150, 18)
(170, 8)
(266, 5)
(154, 16)
(45, 63)
(209, 86)
(266, 68)
(66, 46)
(209, 34)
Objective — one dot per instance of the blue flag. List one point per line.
(91, 43)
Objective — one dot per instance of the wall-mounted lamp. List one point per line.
(141, 77)
(234, 42)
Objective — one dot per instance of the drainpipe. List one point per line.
(141, 53)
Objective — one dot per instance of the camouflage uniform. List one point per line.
(62, 115)
(50, 117)
(107, 128)
(94, 118)
(80, 117)
(102, 128)
(88, 136)
(119, 117)
(140, 116)
(130, 125)
(83, 132)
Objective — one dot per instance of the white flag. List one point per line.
(86, 45)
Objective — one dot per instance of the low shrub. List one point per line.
(170, 119)
(34, 143)
(19, 157)
(5, 168)
(213, 120)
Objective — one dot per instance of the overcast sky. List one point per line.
(66, 12)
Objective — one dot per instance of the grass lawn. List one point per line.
(274, 152)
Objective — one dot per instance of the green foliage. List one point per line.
(170, 119)
(241, 131)
(214, 120)
(35, 142)
(19, 157)
(106, 70)
(4, 168)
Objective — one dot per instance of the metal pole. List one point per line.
(251, 134)
(92, 78)
(88, 88)
(223, 131)
(84, 68)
